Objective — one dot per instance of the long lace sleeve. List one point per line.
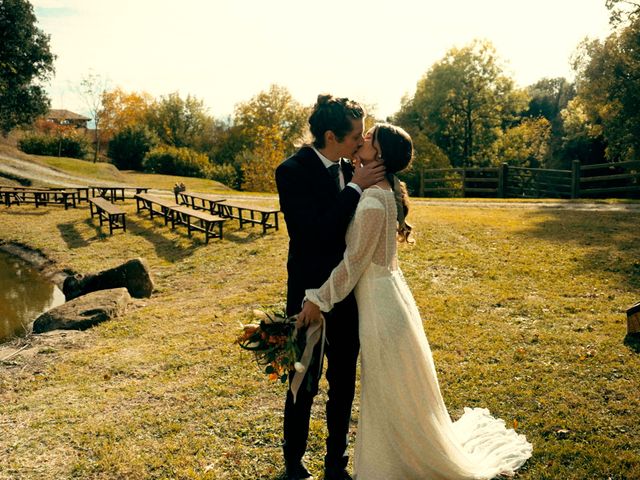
(366, 231)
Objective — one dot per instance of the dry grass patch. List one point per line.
(524, 310)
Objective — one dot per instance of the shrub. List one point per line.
(129, 146)
(225, 173)
(70, 144)
(38, 144)
(177, 161)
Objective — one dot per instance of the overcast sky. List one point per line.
(226, 51)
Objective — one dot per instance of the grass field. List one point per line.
(524, 310)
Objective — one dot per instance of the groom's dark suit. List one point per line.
(317, 215)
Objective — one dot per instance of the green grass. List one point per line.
(524, 310)
(106, 171)
(84, 168)
(168, 181)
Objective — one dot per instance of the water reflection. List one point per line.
(24, 295)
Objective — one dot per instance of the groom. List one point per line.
(319, 191)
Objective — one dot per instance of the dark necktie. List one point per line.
(334, 171)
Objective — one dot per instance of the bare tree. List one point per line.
(92, 89)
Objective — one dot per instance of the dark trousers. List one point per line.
(341, 352)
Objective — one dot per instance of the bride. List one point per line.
(404, 431)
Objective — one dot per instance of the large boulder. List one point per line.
(133, 275)
(84, 312)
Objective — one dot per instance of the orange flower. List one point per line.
(250, 329)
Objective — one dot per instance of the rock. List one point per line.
(133, 275)
(633, 319)
(84, 312)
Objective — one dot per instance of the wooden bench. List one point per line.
(207, 223)
(268, 217)
(115, 192)
(82, 193)
(181, 215)
(38, 196)
(145, 201)
(199, 201)
(9, 196)
(109, 212)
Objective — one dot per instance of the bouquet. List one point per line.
(274, 344)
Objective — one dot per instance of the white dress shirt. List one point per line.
(327, 163)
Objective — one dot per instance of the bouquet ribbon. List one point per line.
(316, 332)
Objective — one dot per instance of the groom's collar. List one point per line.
(327, 163)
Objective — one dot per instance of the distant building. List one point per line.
(65, 117)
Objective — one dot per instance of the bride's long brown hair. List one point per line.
(396, 152)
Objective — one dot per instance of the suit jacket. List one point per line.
(317, 216)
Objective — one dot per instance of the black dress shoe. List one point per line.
(297, 471)
(336, 474)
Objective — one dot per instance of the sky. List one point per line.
(226, 51)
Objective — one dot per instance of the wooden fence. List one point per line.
(620, 179)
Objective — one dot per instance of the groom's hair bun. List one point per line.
(333, 114)
(324, 98)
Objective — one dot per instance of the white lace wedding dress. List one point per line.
(405, 431)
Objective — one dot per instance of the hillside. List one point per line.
(17, 167)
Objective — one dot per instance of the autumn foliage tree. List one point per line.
(259, 163)
(122, 109)
(271, 123)
(274, 108)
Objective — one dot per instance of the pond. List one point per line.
(24, 294)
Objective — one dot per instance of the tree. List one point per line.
(274, 109)
(25, 62)
(267, 128)
(581, 139)
(524, 145)
(122, 109)
(229, 142)
(608, 85)
(92, 88)
(259, 163)
(180, 122)
(129, 146)
(621, 10)
(548, 98)
(426, 156)
(463, 102)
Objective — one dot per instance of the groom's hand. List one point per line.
(310, 312)
(367, 175)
